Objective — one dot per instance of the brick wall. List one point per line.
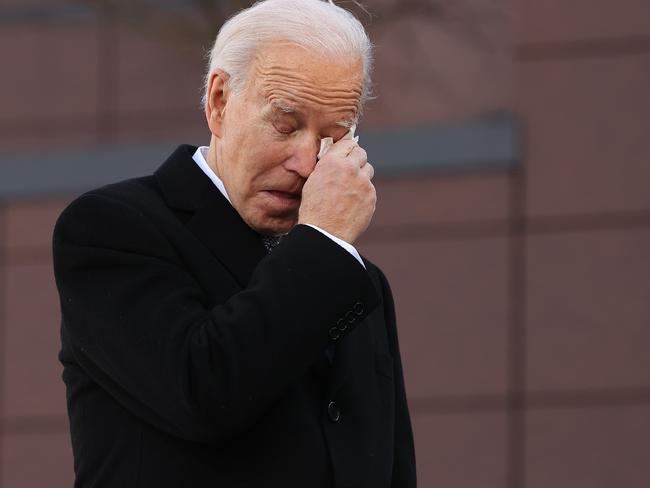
(522, 295)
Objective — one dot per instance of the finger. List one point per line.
(342, 148)
(358, 155)
(368, 170)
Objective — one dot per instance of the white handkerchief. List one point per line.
(326, 142)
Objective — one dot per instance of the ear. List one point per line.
(218, 93)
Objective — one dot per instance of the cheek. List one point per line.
(259, 166)
(269, 151)
(257, 153)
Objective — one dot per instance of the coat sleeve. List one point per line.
(136, 322)
(404, 472)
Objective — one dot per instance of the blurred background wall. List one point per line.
(513, 153)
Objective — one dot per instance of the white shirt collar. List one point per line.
(199, 158)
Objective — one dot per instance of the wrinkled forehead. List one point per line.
(288, 74)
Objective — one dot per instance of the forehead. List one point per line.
(285, 73)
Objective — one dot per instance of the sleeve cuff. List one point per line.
(348, 247)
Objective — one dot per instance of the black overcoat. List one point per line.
(194, 359)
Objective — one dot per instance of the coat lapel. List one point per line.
(213, 219)
(218, 225)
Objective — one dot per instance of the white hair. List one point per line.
(317, 25)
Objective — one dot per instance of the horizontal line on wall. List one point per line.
(491, 142)
(587, 398)
(436, 232)
(29, 14)
(553, 224)
(583, 48)
(53, 424)
(480, 229)
(457, 404)
(28, 255)
(542, 400)
(62, 124)
(13, 15)
(443, 404)
(461, 231)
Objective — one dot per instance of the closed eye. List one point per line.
(284, 129)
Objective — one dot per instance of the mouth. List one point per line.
(285, 198)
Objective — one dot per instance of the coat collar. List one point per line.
(214, 221)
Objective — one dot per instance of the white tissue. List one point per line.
(326, 142)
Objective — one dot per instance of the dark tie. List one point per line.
(270, 242)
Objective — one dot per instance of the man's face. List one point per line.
(271, 130)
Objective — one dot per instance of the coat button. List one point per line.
(334, 333)
(350, 317)
(333, 412)
(359, 308)
(341, 325)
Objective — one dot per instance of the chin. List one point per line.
(272, 225)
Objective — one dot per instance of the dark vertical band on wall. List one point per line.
(107, 81)
(516, 350)
(3, 317)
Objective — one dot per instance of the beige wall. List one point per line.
(523, 295)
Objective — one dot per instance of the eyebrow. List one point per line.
(283, 107)
(347, 123)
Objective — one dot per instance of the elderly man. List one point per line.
(219, 329)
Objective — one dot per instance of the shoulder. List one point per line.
(99, 216)
(135, 192)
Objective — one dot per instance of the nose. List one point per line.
(303, 156)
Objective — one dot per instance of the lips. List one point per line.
(284, 199)
(286, 194)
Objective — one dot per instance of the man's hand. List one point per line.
(338, 196)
